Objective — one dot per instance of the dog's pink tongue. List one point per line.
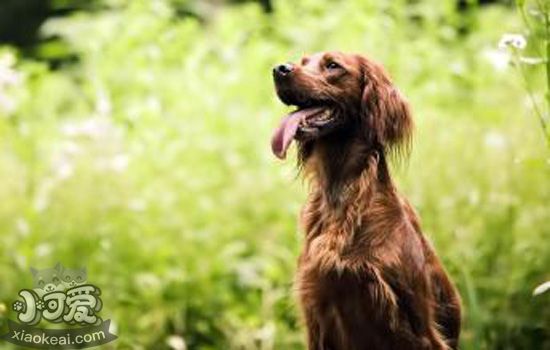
(283, 136)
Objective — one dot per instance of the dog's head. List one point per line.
(340, 94)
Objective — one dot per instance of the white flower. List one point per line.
(176, 342)
(516, 41)
(497, 58)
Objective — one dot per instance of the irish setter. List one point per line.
(367, 277)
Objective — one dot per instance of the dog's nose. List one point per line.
(283, 69)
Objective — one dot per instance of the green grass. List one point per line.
(149, 163)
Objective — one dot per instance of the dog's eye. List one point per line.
(332, 65)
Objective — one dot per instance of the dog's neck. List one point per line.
(351, 190)
(341, 169)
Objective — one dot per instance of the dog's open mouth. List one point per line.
(303, 124)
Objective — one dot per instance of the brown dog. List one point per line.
(367, 278)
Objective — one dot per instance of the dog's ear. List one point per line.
(385, 113)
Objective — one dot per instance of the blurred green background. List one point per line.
(135, 141)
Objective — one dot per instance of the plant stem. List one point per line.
(547, 25)
(530, 93)
(545, 113)
(546, 12)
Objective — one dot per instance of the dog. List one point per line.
(367, 278)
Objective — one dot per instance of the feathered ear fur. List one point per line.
(385, 113)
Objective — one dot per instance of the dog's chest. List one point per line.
(333, 272)
(349, 305)
(341, 282)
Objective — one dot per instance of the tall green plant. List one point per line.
(536, 18)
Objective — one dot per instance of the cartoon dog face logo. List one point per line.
(73, 277)
(47, 280)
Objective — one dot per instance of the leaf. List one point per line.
(542, 288)
(532, 60)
